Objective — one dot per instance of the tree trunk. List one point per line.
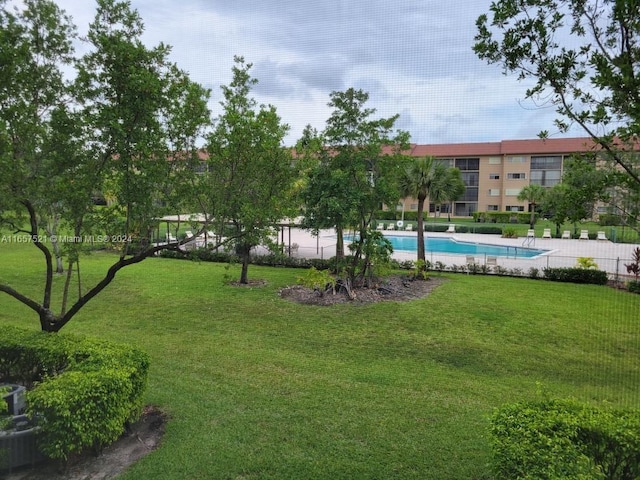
(245, 254)
(532, 219)
(421, 252)
(339, 243)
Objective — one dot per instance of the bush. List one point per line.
(553, 439)
(84, 391)
(634, 286)
(576, 275)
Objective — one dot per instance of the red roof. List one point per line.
(505, 147)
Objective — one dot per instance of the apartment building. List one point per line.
(495, 172)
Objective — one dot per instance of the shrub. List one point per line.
(85, 391)
(487, 230)
(534, 273)
(509, 232)
(634, 286)
(576, 275)
(564, 439)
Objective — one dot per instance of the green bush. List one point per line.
(576, 275)
(564, 439)
(634, 286)
(84, 391)
(502, 217)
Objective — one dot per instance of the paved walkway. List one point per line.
(609, 256)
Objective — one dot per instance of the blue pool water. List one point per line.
(454, 247)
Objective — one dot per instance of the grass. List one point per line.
(260, 388)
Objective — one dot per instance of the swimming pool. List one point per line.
(455, 247)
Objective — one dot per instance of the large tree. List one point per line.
(359, 161)
(583, 57)
(251, 174)
(112, 128)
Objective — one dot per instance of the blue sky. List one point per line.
(414, 57)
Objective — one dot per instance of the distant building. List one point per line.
(495, 172)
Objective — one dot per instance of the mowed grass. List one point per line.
(261, 388)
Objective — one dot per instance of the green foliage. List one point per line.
(509, 232)
(501, 217)
(567, 51)
(85, 391)
(553, 439)
(110, 128)
(250, 176)
(634, 266)
(633, 286)
(576, 275)
(355, 165)
(318, 280)
(586, 263)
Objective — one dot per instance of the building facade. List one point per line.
(495, 172)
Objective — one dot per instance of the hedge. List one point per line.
(83, 392)
(553, 439)
(576, 275)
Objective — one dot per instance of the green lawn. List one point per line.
(259, 388)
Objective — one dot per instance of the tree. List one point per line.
(584, 59)
(109, 129)
(420, 180)
(574, 199)
(534, 194)
(251, 175)
(450, 189)
(359, 161)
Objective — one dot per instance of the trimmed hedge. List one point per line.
(553, 439)
(576, 275)
(503, 217)
(85, 391)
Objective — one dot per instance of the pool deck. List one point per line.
(609, 256)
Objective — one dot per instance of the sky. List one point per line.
(413, 57)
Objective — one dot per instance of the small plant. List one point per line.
(516, 272)
(634, 267)
(534, 273)
(440, 266)
(509, 232)
(318, 280)
(421, 270)
(5, 419)
(587, 263)
(407, 265)
(500, 270)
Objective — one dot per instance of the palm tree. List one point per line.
(533, 194)
(449, 188)
(419, 179)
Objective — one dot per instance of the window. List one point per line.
(546, 163)
(468, 163)
(492, 208)
(413, 206)
(512, 192)
(546, 178)
(517, 159)
(494, 176)
(516, 176)
(470, 194)
(494, 192)
(515, 208)
(470, 179)
(495, 160)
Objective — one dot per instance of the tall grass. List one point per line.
(261, 388)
